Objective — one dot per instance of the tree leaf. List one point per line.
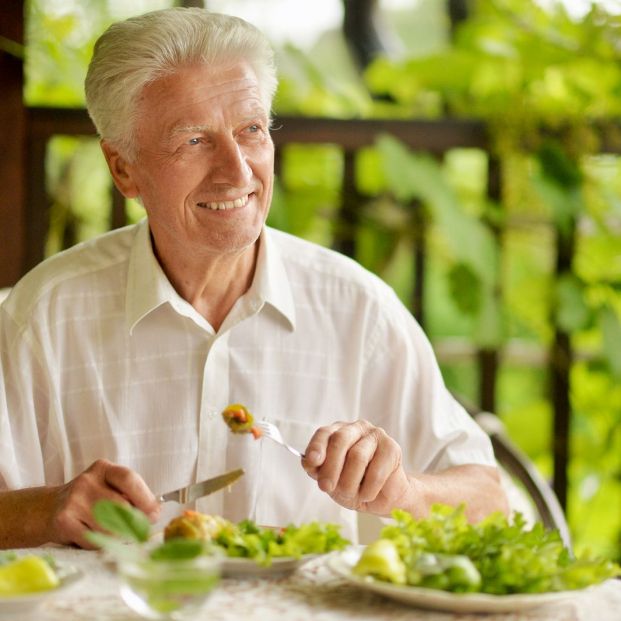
(611, 337)
(557, 166)
(412, 175)
(489, 329)
(465, 288)
(572, 312)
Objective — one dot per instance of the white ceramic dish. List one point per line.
(247, 568)
(19, 605)
(342, 562)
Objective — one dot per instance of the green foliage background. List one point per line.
(549, 88)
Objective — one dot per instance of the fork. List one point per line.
(269, 430)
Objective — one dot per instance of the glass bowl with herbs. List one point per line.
(170, 580)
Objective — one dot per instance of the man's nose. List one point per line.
(231, 165)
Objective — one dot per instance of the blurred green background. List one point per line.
(548, 83)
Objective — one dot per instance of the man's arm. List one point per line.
(63, 514)
(360, 467)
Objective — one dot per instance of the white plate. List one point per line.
(247, 568)
(342, 563)
(21, 604)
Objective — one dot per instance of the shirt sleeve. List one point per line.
(405, 394)
(21, 458)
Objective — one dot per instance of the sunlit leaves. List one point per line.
(465, 287)
(415, 175)
(572, 311)
(611, 339)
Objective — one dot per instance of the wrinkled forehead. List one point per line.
(203, 85)
(201, 97)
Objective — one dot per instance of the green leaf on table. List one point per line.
(114, 546)
(121, 520)
(178, 549)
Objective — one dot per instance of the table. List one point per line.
(311, 593)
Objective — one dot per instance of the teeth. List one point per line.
(238, 202)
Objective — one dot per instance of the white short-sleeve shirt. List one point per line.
(101, 358)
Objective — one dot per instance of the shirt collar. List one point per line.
(148, 287)
(271, 281)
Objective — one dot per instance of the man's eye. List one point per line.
(254, 128)
(194, 141)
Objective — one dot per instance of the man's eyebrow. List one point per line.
(189, 129)
(198, 129)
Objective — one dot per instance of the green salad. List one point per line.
(246, 539)
(497, 555)
(192, 534)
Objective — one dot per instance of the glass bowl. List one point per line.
(168, 589)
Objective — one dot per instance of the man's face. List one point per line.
(205, 160)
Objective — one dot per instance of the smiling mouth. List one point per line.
(224, 205)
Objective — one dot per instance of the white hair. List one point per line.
(135, 52)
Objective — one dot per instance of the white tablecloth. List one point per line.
(311, 593)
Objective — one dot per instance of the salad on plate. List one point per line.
(444, 562)
(262, 545)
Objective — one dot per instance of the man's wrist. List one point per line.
(27, 516)
(415, 500)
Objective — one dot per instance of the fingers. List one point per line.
(349, 451)
(386, 461)
(352, 461)
(133, 488)
(315, 452)
(72, 515)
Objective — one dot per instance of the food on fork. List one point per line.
(240, 420)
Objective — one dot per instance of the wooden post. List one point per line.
(12, 141)
(561, 360)
(362, 31)
(488, 358)
(417, 304)
(349, 214)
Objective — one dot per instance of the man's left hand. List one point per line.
(359, 466)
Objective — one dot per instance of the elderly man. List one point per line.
(119, 354)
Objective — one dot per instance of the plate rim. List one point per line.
(243, 567)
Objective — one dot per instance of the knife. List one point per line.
(190, 493)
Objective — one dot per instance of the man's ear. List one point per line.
(120, 170)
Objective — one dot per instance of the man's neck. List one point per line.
(213, 283)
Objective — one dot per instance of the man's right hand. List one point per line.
(63, 514)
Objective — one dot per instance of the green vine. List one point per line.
(548, 87)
